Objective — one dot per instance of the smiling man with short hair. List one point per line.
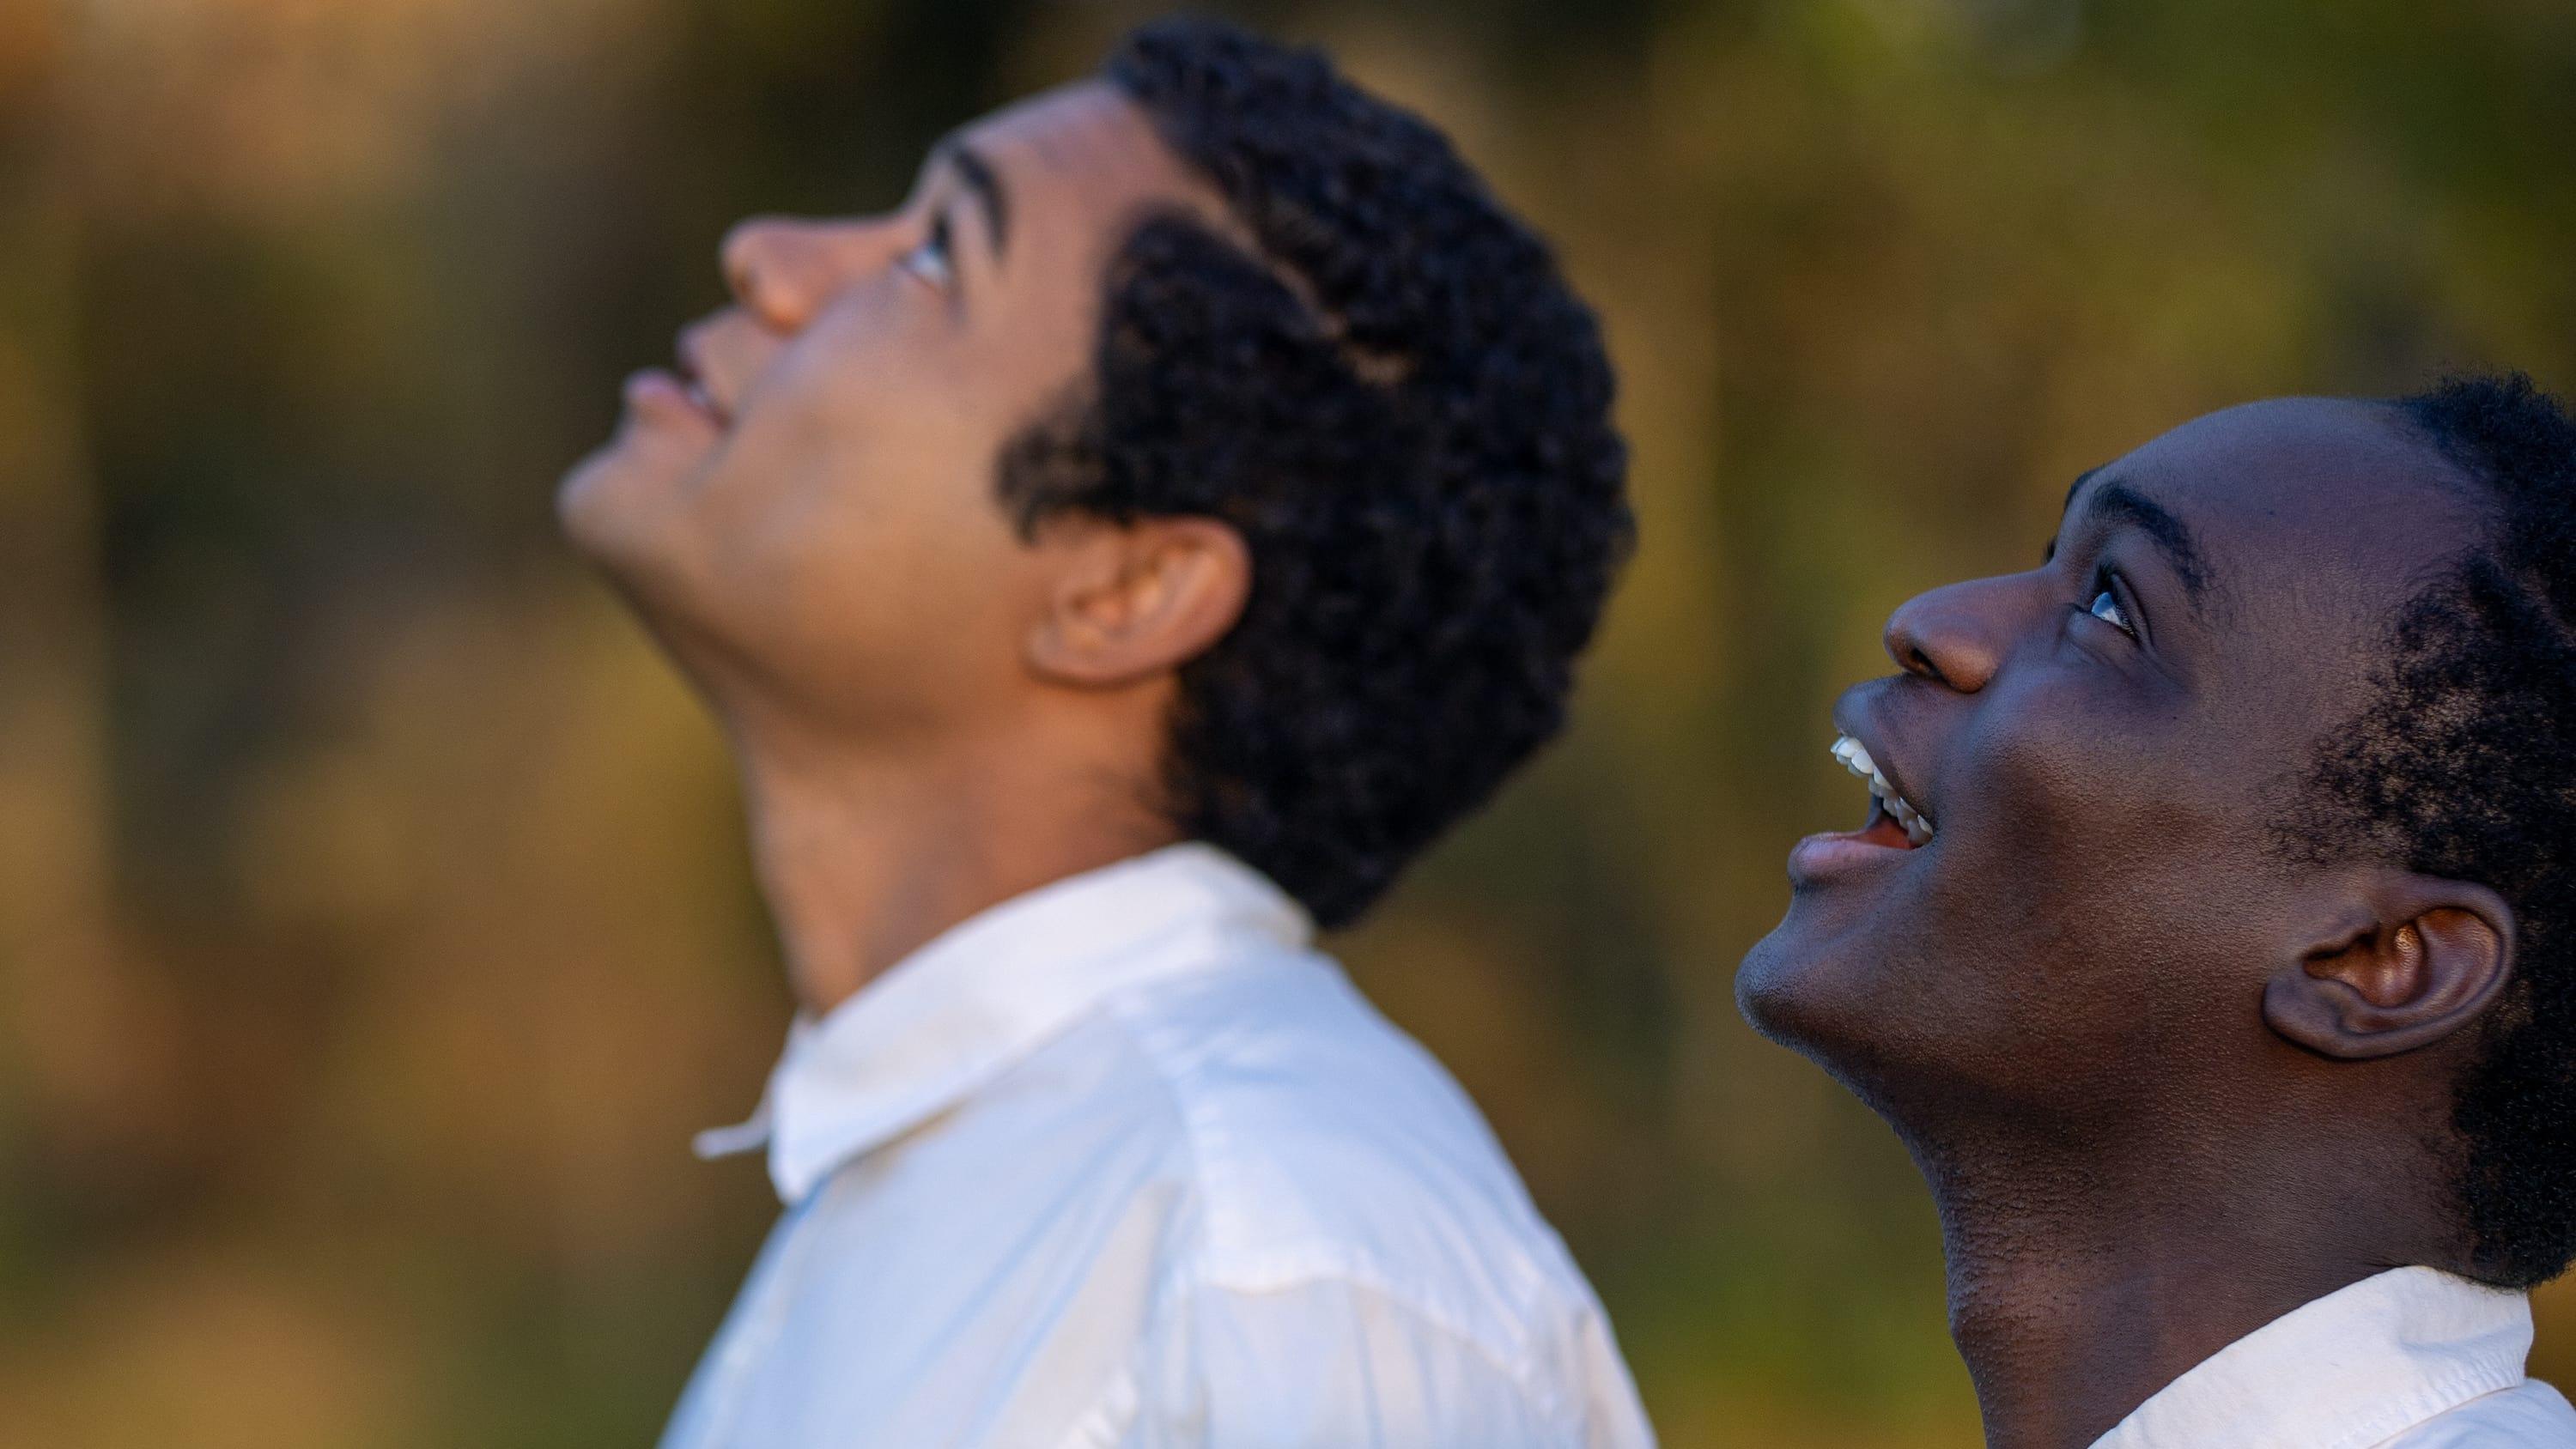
(2212, 940)
(1121, 559)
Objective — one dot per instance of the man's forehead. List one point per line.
(2312, 483)
(1087, 136)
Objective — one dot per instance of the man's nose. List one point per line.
(1957, 634)
(785, 269)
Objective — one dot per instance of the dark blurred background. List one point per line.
(374, 926)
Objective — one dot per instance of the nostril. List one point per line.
(739, 254)
(745, 281)
(761, 259)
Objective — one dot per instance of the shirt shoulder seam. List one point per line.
(1197, 1269)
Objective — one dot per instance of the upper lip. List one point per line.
(1844, 722)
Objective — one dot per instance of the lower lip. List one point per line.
(1821, 858)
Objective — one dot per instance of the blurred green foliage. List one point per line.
(373, 923)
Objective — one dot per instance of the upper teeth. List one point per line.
(1918, 827)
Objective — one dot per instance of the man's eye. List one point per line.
(2106, 607)
(929, 260)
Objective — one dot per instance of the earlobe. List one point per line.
(1141, 599)
(2426, 960)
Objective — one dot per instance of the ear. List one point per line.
(1139, 599)
(2409, 960)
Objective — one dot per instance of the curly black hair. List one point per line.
(1394, 397)
(2459, 768)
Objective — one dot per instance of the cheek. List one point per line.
(2103, 826)
(885, 561)
(856, 380)
(2074, 776)
(856, 514)
(2085, 888)
(862, 434)
(861, 550)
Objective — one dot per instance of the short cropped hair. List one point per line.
(1394, 397)
(2461, 768)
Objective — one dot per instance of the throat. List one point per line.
(2077, 1292)
(862, 861)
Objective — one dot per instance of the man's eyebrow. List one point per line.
(2048, 554)
(2077, 486)
(983, 183)
(2118, 503)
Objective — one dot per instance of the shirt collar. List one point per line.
(2357, 1366)
(981, 996)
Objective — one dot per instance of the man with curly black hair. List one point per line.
(2212, 938)
(1120, 559)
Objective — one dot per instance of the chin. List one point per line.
(1915, 1036)
(614, 503)
(1819, 974)
(625, 508)
(607, 497)
(1839, 1003)
(1776, 990)
(630, 523)
(587, 507)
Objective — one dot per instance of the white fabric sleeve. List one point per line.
(1329, 1363)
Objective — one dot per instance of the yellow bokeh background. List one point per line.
(374, 928)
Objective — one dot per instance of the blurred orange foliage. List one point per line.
(373, 927)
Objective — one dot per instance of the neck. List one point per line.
(863, 858)
(2080, 1286)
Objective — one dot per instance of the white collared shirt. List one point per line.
(1123, 1162)
(2413, 1358)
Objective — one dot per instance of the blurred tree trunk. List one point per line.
(58, 978)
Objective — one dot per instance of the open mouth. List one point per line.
(684, 366)
(1893, 820)
(703, 400)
